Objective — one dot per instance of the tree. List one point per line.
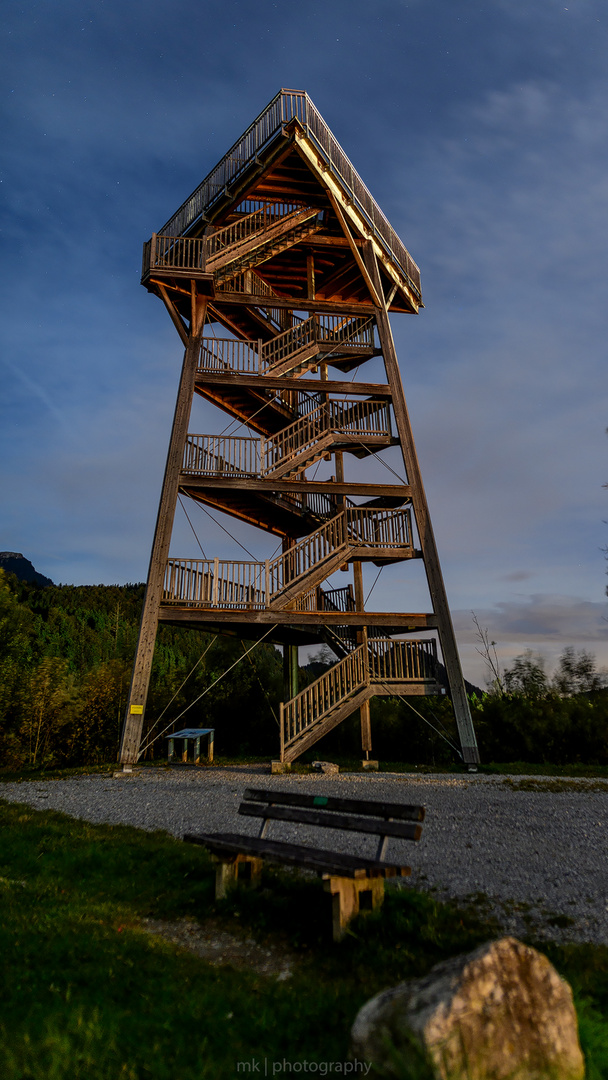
(490, 656)
(527, 676)
(577, 673)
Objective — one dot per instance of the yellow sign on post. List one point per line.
(136, 710)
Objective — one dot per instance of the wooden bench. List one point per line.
(356, 882)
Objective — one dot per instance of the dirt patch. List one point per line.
(220, 948)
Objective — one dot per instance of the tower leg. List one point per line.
(140, 680)
(290, 671)
(447, 637)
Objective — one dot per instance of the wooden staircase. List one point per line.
(256, 238)
(360, 426)
(297, 349)
(380, 666)
(285, 582)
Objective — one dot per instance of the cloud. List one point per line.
(540, 617)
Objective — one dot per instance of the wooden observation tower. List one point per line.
(279, 273)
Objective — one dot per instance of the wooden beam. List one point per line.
(140, 680)
(310, 275)
(285, 487)
(176, 318)
(328, 182)
(355, 250)
(423, 524)
(403, 623)
(295, 303)
(270, 382)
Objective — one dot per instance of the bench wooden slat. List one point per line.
(323, 862)
(332, 820)
(330, 802)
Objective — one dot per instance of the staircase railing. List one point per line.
(382, 662)
(314, 703)
(165, 252)
(336, 416)
(260, 219)
(319, 330)
(313, 550)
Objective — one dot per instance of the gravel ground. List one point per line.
(535, 858)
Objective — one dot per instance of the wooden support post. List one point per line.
(364, 711)
(290, 671)
(447, 637)
(351, 897)
(239, 870)
(134, 718)
(310, 275)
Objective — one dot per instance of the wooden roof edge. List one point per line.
(293, 109)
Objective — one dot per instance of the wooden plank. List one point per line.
(333, 821)
(324, 862)
(370, 807)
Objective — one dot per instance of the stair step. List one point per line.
(307, 738)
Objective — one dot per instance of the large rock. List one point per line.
(499, 1013)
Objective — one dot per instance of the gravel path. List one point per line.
(537, 855)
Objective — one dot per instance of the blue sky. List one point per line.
(480, 128)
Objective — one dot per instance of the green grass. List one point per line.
(89, 995)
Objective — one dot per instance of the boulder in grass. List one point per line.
(501, 1012)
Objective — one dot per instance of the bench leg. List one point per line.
(240, 870)
(350, 897)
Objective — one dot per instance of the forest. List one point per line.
(65, 662)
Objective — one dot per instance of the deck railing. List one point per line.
(247, 281)
(214, 583)
(226, 354)
(379, 528)
(402, 661)
(286, 106)
(209, 455)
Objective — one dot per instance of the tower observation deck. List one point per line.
(279, 273)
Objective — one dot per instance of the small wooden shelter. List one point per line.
(279, 273)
